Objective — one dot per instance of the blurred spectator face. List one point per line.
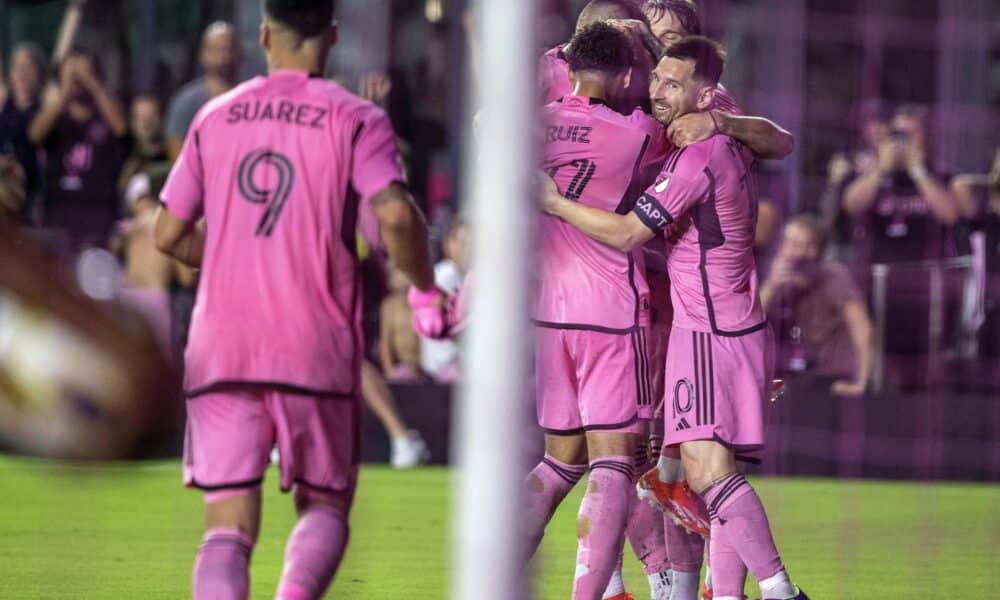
(147, 122)
(876, 131)
(800, 244)
(220, 55)
(25, 74)
(909, 125)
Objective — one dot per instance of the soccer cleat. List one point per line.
(676, 500)
(622, 596)
(800, 595)
(706, 594)
(410, 451)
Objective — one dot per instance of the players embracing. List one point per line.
(718, 365)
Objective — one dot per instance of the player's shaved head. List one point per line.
(600, 47)
(598, 11)
(307, 18)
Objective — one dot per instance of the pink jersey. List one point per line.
(553, 75)
(705, 201)
(278, 168)
(603, 159)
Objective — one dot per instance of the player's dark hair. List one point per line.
(600, 47)
(308, 18)
(685, 11)
(601, 10)
(708, 56)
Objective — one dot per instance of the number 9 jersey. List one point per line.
(278, 168)
(605, 160)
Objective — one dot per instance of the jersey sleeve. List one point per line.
(377, 163)
(184, 192)
(669, 199)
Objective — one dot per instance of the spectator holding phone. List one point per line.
(82, 128)
(819, 309)
(909, 207)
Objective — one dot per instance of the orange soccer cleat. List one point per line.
(623, 596)
(675, 499)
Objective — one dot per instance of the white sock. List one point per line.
(727, 598)
(777, 587)
(670, 470)
(616, 585)
(685, 586)
(660, 584)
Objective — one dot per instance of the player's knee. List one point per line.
(307, 498)
(234, 509)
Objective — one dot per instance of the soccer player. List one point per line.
(278, 167)
(718, 367)
(591, 306)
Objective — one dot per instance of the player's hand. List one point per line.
(376, 87)
(691, 128)
(548, 193)
(914, 155)
(430, 312)
(850, 389)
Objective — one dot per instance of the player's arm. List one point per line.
(623, 232)
(859, 326)
(404, 233)
(179, 238)
(765, 138)
(178, 232)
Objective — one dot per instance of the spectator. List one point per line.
(81, 127)
(12, 193)
(820, 309)
(219, 57)
(908, 207)
(439, 358)
(149, 273)
(979, 197)
(146, 144)
(844, 168)
(399, 345)
(27, 74)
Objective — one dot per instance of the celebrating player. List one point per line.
(277, 168)
(718, 367)
(591, 304)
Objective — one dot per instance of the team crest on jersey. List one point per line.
(662, 185)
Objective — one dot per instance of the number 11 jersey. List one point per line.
(278, 167)
(603, 159)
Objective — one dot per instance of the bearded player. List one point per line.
(277, 168)
(718, 367)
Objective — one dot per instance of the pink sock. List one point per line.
(545, 488)
(685, 549)
(600, 525)
(222, 568)
(644, 529)
(729, 574)
(737, 512)
(313, 553)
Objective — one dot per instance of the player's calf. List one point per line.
(316, 545)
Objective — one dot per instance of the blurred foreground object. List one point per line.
(79, 378)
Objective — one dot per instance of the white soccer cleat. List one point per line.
(410, 451)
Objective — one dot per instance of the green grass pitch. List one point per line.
(130, 531)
